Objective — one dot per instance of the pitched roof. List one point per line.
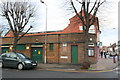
(9, 34)
(73, 27)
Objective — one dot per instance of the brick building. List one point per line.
(65, 46)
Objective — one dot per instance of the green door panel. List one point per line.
(21, 47)
(5, 49)
(74, 52)
(37, 54)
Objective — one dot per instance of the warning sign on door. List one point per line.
(39, 52)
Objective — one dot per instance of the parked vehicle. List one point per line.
(17, 60)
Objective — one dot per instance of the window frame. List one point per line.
(13, 55)
(6, 55)
(91, 51)
(64, 44)
(51, 46)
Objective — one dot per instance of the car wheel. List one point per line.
(20, 66)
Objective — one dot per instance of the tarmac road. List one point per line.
(39, 73)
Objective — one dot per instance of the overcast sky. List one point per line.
(58, 18)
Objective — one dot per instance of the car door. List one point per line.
(13, 61)
(5, 59)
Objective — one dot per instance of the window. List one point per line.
(80, 27)
(22, 55)
(51, 46)
(64, 44)
(6, 55)
(92, 29)
(13, 55)
(91, 52)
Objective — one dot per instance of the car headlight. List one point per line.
(27, 62)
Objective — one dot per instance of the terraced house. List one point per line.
(65, 46)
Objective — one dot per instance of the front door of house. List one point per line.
(37, 54)
(74, 56)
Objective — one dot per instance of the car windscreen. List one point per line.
(22, 56)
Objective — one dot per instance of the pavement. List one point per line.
(102, 65)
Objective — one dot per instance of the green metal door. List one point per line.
(74, 51)
(37, 54)
(5, 50)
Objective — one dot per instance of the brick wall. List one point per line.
(64, 52)
(59, 52)
(56, 38)
(52, 55)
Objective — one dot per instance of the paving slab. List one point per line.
(102, 65)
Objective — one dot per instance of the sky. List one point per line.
(58, 15)
(109, 23)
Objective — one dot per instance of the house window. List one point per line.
(80, 27)
(91, 52)
(64, 44)
(92, 29)
(51, 46)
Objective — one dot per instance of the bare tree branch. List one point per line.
(24, 33)
(92, 20)
(80, 16)
(18, 15)
(79, 1)
(93, 7)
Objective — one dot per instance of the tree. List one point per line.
(18, 15)
(88, 8)
(1, 32)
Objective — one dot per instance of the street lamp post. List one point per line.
(45, 59)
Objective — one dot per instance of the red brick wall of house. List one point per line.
(59, 50)
(52, 56)
(66, 51)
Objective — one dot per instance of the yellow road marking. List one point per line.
(74, 70)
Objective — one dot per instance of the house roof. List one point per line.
(9, 34)
(73, 27)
